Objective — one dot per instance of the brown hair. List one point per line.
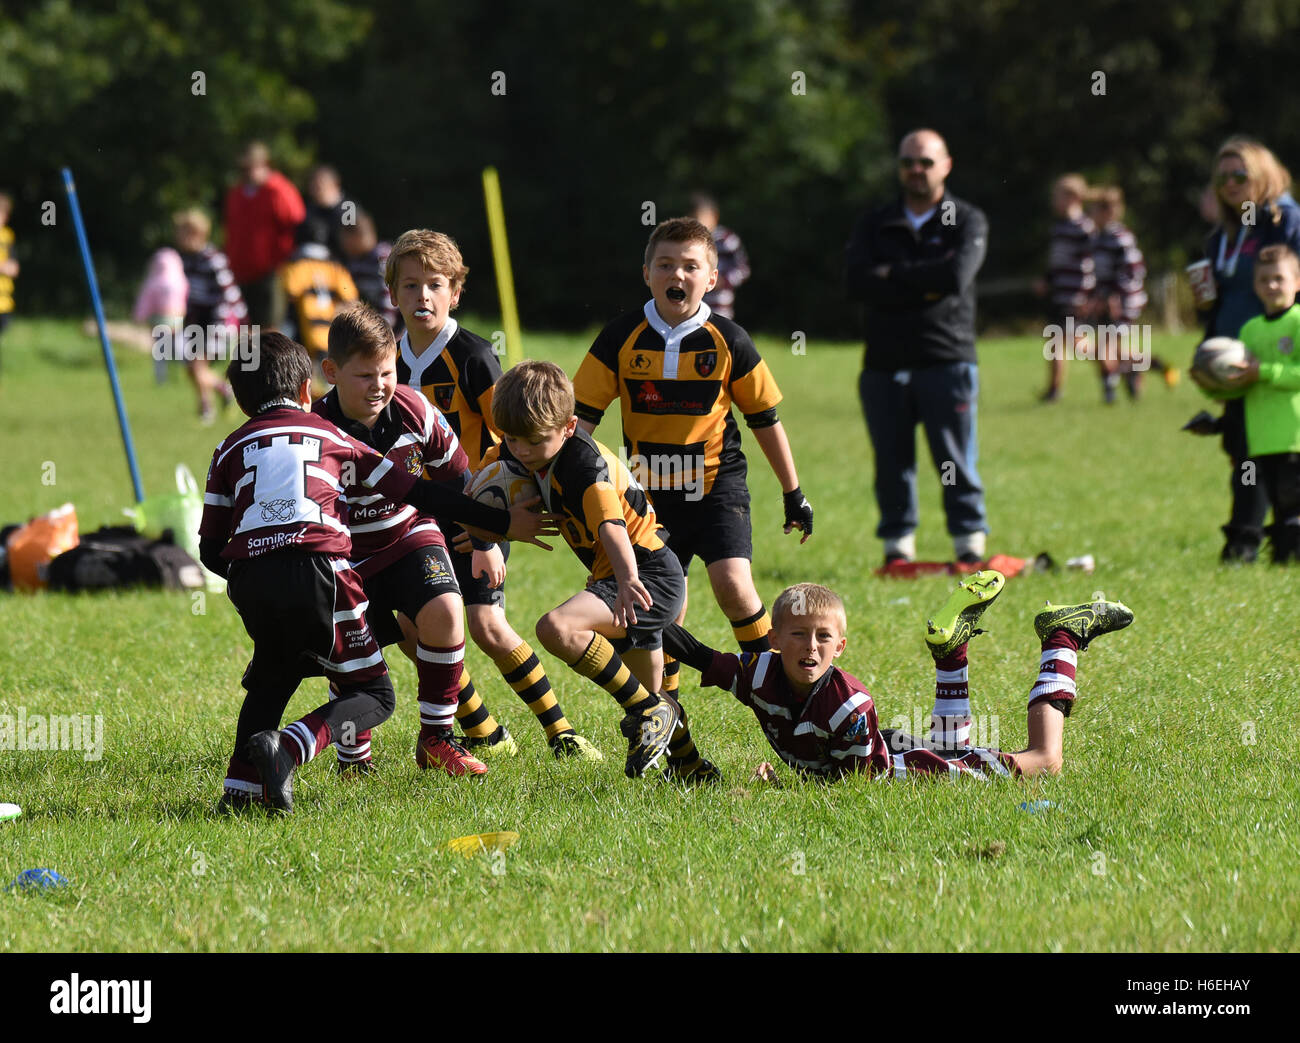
(435, 251)
(531, 399)
(1279, 253)
(807, 599)
(277, 371)
(681, 230)
(1267, 177)
(360, 330)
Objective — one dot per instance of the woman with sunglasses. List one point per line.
(1256, 210)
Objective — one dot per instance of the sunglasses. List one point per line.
(908, 162)
(1237, 177)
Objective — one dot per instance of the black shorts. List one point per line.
(712, 528)
(661, 575)
(476, 591)
(304, 613)
(406, 586)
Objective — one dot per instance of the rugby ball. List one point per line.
(1215, 360)
(503, 483)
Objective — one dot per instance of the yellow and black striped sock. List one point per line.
(472, 713)
(604, 666)
(672, 671)
(526, 675)
(682, 754)
(751, 632)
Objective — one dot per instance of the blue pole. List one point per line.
(93, 284)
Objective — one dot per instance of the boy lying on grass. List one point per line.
(821, 720)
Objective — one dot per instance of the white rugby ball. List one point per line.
(503, 483)
(1215, 360)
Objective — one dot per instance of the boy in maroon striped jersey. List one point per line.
(822, 721)
(401, 556)
(275, 525)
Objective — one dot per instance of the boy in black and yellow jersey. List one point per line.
(456, 371)
(677, 368)
(636, 586)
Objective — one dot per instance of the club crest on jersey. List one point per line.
(435, 571)
(640, 363)
(415, 462)
(706, 362)
(860, 728)
(277, 510)
(1284, 345)
(443, 394)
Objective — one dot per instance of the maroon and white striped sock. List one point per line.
(1056, 666)
(306, 737)
(438, 670)
(950, 721)
(242, 777)
(357, 752)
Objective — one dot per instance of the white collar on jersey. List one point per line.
(419, 363)
(674, 335)
(276, 403)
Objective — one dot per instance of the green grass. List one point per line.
(1174, 826)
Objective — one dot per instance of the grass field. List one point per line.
(1173, 826)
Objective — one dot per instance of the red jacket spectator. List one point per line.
(260, 222)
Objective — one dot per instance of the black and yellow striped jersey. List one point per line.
(589, 485)
(676, 386)
(314, 290)
(457, 373)
(6, 282)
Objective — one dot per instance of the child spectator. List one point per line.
(161, 305)
(365, 258)
(676, 370)
(635, 587)
(733, 262)
(822, 721)
(1071, 277)
(213, 304)
(1272, 397)
(1121, 277)
(456, 371)
(275, 525)
(8, 266)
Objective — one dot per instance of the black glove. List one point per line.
(798, 512)
(1203, 424)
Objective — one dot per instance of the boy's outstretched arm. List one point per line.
(776, 447)
(717, 669)
(622, 559)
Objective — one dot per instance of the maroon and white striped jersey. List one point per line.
(1121, 269)
(830, 731)
(283, 480)
(416, 438)
(1071, 273)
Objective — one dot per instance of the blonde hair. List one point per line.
(809, 599)
(435, 251)
(192, 218)
(1267, 177)
(531, 399)
(1074, 184)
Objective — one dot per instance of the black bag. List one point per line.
(118, 556)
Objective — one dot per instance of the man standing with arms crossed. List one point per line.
(912, 263)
